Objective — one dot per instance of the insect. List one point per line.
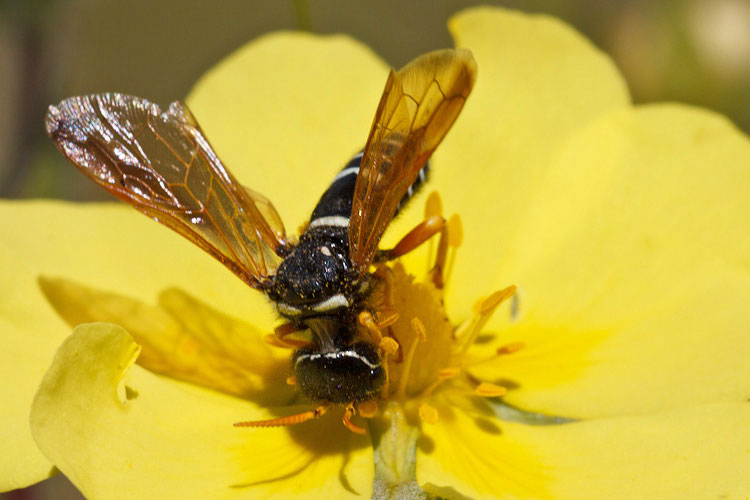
(162, 164)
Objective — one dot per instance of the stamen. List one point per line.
(449, 372)
(490, 303)
(389, 346)
(437, 272)
(288, 420)
(455, 238)
(366, 319)
(501, 351)
(483, 311)
(419, 329)
(367, 409)
(432, 206)
(510, 348)
(349, 412)
(442, 376)
(428, 413)
(488, 390)
(291, 380)
(386, 319)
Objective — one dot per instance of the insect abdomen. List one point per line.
(335, 205)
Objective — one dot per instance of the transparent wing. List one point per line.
(419, 105)
(161, 163)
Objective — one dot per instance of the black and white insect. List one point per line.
(162, 164)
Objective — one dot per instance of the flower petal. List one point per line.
(633, 272)
(282, 121)
(21, 463)
(103, 246)
(538, 82)
(183, 338)
(118, 431)
(694, 453)
(272, 91)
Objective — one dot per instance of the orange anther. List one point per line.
(428, 413)
(387, 319)
(367, 409)
(366, 319)
(497, 298)
(291, 380)
(418, 327)
(449, 372)
(455, 231)
(433, 205)
(488, 390)
(510, 348)
(388, 345)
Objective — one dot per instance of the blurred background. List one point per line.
(693, 51)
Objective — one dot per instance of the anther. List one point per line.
(442, 375)
(366, 319)
(291, 380)
(421, 334)
(387, 319)
(367, 409)
(433, 205)
(490, 303)
(449, 372)
(510, 348)
(488, 390)
(418, 327)
(483, 312)
(388, 345)
(428, 413)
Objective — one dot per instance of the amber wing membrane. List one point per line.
(161, 163)
(418, 107)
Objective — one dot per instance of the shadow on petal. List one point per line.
(183, 338)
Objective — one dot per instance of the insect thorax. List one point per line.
(317, 277)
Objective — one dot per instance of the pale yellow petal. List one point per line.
(120, 432)
(633, 271)
(699, 453)
(21, 357)
(107, 247)
(184, 338)
(287, 111)
(538, 82)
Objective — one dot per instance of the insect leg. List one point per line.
(278, 337)
(288, 420)
(349, 412)
(413, 239)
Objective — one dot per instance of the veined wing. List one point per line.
(419, 105)
(162, 164)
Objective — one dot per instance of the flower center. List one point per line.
(423, 352)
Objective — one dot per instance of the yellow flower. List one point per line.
(625, 230)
